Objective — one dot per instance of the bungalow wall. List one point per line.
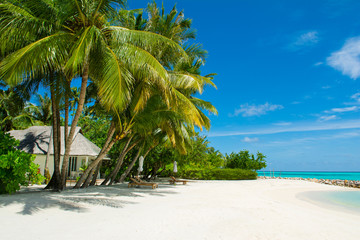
(75, 163)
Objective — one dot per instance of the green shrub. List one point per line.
(245, 160)
(218, 174)
(16, 167)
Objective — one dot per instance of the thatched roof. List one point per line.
(35, 140)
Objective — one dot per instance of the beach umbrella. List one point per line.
(141, 164)
(175, 167)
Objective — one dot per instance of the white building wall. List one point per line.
(41, 159)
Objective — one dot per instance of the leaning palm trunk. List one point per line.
(106, 148)
(131, 165)
(91, 168)
(88, 179)
(119, 163)
(93, 181)
(79, 109)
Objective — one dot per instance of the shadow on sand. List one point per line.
(79, 200)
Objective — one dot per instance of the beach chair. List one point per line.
(135, 183)
(174, 180)
(141, 181)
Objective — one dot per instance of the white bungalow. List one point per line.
(35, 140)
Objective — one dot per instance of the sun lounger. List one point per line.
(136, 182)
(174, 180)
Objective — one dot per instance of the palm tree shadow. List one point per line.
(34, 202)
(78, 200)
(31, 141)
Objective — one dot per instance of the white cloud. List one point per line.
(347, 59)
(302, 40)
(327, 118)
(306, 39)
(356, 97)
(318, 64)
(297, 141)
(345, 109)
(299, 127)
(250, 140)
(326, 87)
(247, 110)
(282, 124)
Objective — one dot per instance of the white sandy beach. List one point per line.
(262, 209)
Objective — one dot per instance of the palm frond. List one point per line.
(113, 79)
(79, 54)
(204, 105)
(154, 43)
(39, 58)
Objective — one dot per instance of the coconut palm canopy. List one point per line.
(129, 61)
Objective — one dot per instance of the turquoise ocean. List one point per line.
(316, 175)
(347, 200)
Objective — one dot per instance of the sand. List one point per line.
(261, 209)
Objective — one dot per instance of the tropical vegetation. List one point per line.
(16, 167)
(245, 160)
(130, 78)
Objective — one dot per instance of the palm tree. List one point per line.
(185, 80)
(42, 112)
(75, 39)
(14, 109)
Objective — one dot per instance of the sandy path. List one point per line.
(262, 209)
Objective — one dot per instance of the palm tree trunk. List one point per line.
(93, 181)
(87, 179)
(106, 148)
(120, 161)
(66, 124)
(48, 150)
(131, 165)
(79, 109)
(55, 182)
(91, 168)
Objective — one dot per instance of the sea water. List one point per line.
(316, 175)
(346, 200)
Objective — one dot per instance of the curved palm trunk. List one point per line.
(79, 109)
(93, 181)
(55, 182)
(91, 168)
(119, 162)
(106, 148)
(131, 165)
(88, 179)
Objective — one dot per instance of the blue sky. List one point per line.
(288, 78)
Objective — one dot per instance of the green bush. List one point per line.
(245, 160)
(16, 167)
(218, 174)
